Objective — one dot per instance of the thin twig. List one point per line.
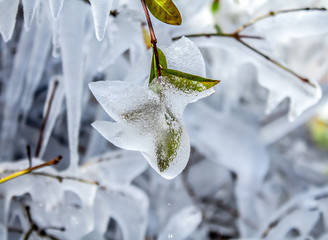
(271, 14)
(45, 119)
(303, 79)
(231, 35)
(29, 156)
(152, 37)
(29, 170)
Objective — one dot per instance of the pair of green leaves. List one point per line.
(165, 11)
(184, 82)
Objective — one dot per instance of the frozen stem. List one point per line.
(153, 39)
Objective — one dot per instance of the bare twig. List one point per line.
(45, 119)
(30, 169)
(29, 156)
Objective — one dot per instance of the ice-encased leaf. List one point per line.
(165, 11)
(72, 29)
(182, 224)
(100, 11)
(150, 119)
(56, 7)
(8, 11)
(29, 7)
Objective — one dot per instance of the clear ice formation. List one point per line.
(72, 29)
(182, 224)
(29, 7)
(8, 11)
(152, 122)
(56, 7)
(100, 11)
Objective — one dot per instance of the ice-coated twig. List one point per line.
(153, 39)
(274, 13)
(238, 37)
(29, 170)
(45, 119)
(29, 156)
(34, 227)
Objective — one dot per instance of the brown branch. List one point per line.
(45, 119)
(152, 37)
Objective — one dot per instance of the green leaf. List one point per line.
(165, 11)
(167, 148)
(218, 28)
(162, 62)
(215, 6)
(186, 82)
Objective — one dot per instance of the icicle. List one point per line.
(8, 11)
(71, 39)
(14, 90)
(29, 7)
(56, 7)
(54, 111)
(55, 40)
(100, 12)
(37, 62)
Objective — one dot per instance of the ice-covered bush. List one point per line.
(76, 73)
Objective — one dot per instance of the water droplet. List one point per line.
(168, 204)
(170, 236)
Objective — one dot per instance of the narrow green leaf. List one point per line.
(218, 28)
(186, 82)
(162, 62)
(165, 11)
(215, 6)
(167, 148)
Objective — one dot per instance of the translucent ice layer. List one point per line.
(151, 121)
(29, 7)
(8, 10)
(100, 12)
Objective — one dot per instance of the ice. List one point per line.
(71, 41)
(56, 7)
(224, 138)
(29, 7)
(129, 207)
(182, 224)
(54, 111)
(119, 40)
(100, 12)
(302, 95)
(14, 90)
(8, 11)
(302, 221)
(291, 25)
(117, 166)
(148, 121)
(40, 52)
